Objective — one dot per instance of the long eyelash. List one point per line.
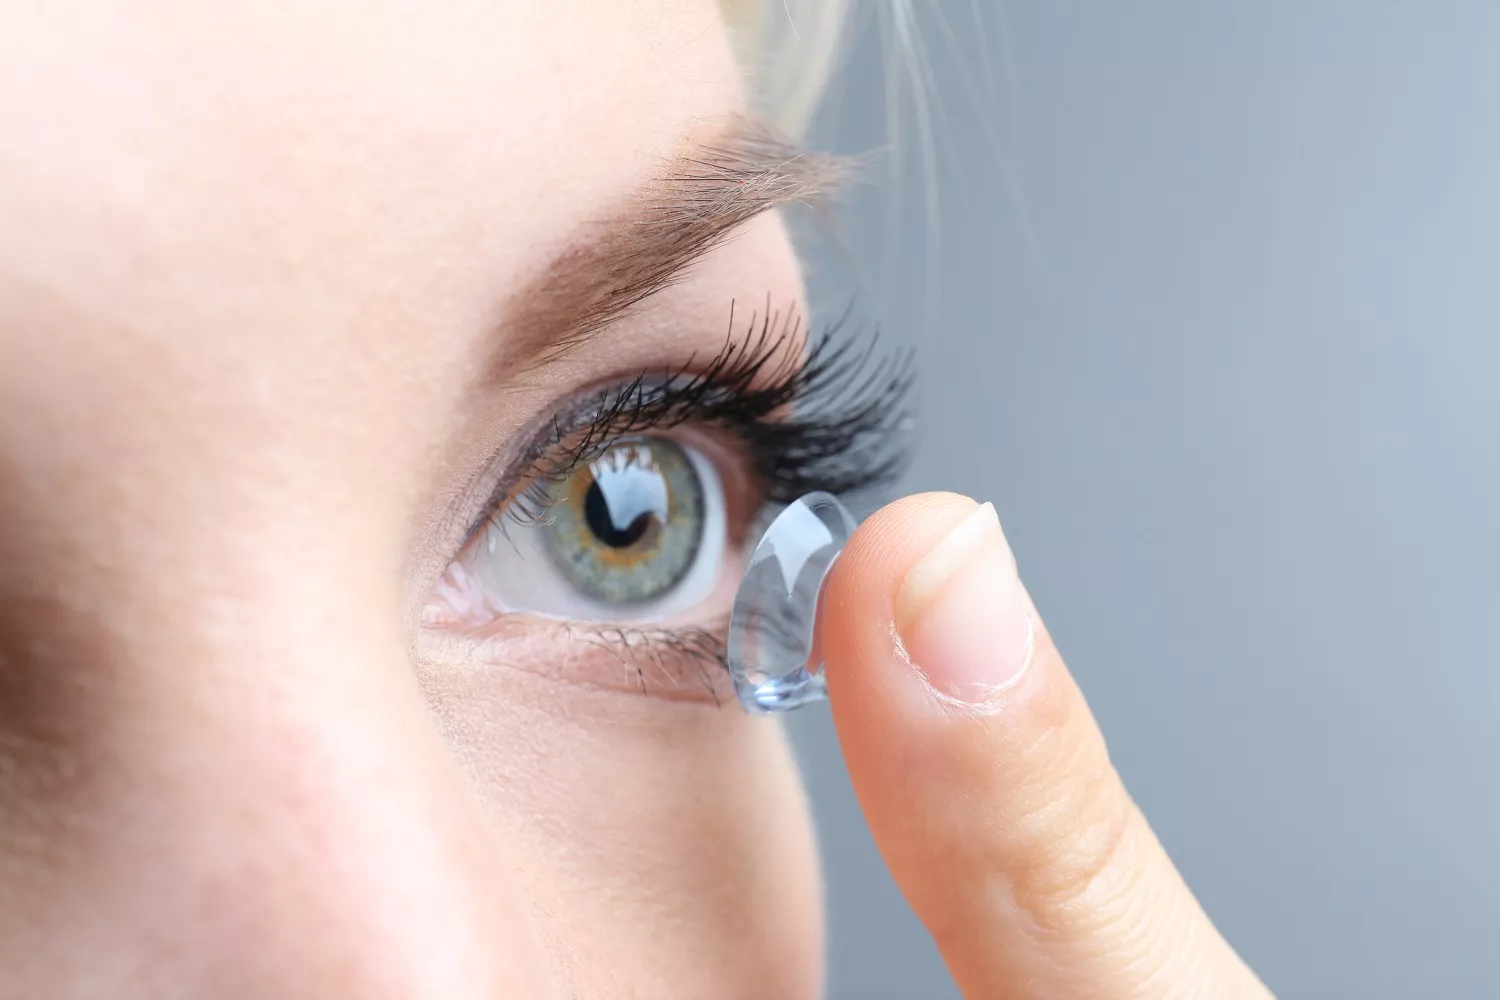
(828, 417)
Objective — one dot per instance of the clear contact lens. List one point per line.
(774, 655)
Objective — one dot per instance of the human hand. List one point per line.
(985, 779)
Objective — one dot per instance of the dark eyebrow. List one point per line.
(693, 206)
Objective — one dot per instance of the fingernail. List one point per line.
(962, 615)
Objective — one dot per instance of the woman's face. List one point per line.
(299, 310)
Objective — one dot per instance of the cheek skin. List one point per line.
(689, 854)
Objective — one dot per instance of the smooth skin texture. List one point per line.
(257, 263)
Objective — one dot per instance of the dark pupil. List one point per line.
(622, 502)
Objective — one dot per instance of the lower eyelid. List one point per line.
(677, 664)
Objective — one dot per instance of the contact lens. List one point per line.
(774, 655)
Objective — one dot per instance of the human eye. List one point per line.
(623, 525)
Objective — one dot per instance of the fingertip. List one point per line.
(874, 692)
(864, 583)
(927, 591)
(984, 779)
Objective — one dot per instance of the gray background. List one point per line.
(1235, 397)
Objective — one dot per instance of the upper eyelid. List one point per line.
(597, 414)
(589, 411)
(851, 443)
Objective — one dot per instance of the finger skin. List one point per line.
(1003, 821)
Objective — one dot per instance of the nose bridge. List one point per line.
(263, 810)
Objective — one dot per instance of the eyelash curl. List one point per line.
(831, 414)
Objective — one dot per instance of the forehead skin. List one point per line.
(331, 174)
(253, 257)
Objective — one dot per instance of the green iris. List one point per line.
(626, 528)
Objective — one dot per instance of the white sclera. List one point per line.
(773, 651)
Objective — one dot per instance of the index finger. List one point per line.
(985, 779)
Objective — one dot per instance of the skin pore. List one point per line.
(258, 266)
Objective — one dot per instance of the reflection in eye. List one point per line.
(626, 527)
(637, 533)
